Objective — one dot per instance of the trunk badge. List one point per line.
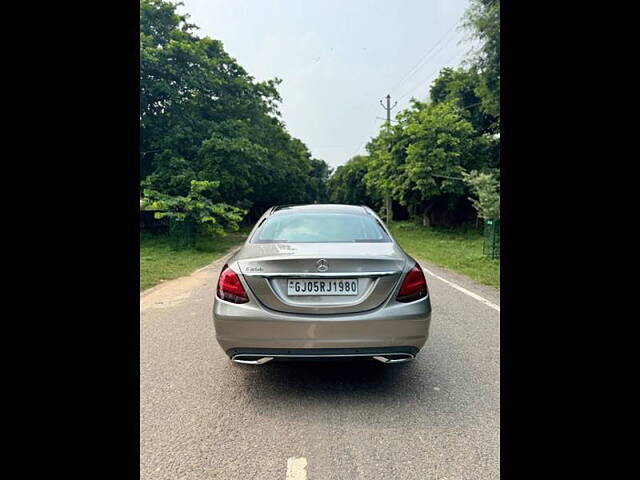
(322, 265)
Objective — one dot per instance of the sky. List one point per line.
(337, 59)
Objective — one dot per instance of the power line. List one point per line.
(380, 118)
(417, 67)
(413, 69)
(422, 82)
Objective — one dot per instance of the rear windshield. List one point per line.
(320, 228)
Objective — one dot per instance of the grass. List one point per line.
(158, 262)
(459, 250)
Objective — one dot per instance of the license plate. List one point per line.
(333, 286)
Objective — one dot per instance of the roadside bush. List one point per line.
(194, 214)
(486, 187)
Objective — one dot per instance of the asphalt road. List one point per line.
(203, 417)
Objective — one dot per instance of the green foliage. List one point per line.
(318, 190)
(159, 261)
(388, 153)
(459, 249)
(461, 86)
(482, 21)
(347, 184)
(422, 161)
(486, 187)
(442, 143)
(196, 208)
(204, 118)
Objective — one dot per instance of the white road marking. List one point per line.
(464, 290)
(297, 468)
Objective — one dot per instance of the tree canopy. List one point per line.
(347, 184)
(482, 21)
(425, 160)
(203, 118)
(212, 139)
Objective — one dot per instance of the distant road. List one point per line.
(203, 417)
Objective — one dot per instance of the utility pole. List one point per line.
(388, 206)
(388, 108)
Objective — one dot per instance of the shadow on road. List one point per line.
(309, 378)
(342, 388)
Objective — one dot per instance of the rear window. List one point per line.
(320, 228)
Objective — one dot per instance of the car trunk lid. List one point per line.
(268, 270)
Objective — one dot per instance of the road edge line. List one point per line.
(464, 290)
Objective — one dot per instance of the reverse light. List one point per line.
(230, 288)
(414, 286)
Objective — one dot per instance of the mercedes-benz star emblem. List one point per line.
(322, 265)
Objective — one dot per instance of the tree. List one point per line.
(347, 184)
(486, 187)
(482, 21)
(420, 160)
(442, 148)
(462, 86)
(204, 118)
(385, 173)
(195, 209)
(423, 160)
(317, 184)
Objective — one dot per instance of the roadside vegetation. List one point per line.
(213, 145)
(457, 249)
(215, 152)
(160, 262)
(439, 160)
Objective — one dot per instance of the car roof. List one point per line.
(319, 208)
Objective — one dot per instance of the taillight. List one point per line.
(414, 286)
(230, 288)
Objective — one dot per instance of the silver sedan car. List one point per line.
(319, 282)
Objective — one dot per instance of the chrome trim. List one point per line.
(320, 275)
(262, 359)
(384, 359)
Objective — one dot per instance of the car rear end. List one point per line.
(321, 282)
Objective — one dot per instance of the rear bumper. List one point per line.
(259, 356)
(251, 326)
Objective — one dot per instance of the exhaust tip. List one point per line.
(251, 359)
(394, 358)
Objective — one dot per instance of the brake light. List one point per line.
(414, 285)
(230, 288)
